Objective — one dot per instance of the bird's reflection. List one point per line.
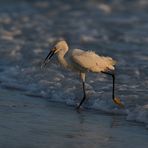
(115, 122)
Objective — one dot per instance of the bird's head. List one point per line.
(60, 47)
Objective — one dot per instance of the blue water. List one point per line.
(28, 29)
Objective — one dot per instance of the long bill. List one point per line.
(47, 59)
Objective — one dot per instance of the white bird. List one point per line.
(84, 61)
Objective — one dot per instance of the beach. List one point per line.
(37, 106)
(35, 123)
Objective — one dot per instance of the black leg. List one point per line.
(113, 88)
(82, 76)
(84, 96)
(115, 99)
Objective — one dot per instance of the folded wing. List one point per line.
(91, 61)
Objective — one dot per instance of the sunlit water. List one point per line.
(28, 29)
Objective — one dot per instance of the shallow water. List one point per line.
(35, 123)
(28, 29)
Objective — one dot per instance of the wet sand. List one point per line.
(29, 122)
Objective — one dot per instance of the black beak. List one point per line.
(47, 59)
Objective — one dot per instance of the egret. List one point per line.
(82, 62)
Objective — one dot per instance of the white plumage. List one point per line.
(91, 61)
(83, 61)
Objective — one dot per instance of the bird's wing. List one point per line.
(91, 61)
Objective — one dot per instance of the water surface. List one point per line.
(28, 29)
(31, 122)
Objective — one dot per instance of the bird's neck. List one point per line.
(62, 60)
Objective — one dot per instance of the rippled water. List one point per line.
(28, 29)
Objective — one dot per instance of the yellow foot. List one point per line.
(118, 102)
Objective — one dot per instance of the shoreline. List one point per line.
(34, 122)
